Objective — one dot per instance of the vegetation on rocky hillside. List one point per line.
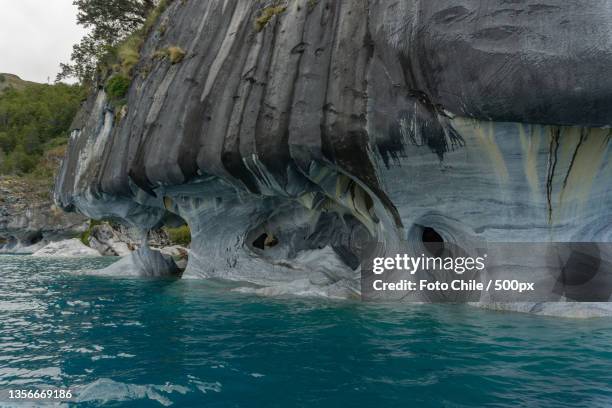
(10, 81)
(34, 123)
(118, 30)
(35, 118)
(179, 236)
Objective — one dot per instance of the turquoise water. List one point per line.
(121, 342)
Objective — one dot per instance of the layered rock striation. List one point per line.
(289, 135)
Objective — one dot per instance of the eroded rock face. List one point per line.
(287, 149)
(106, 240)
(29, 219)
(70, 248)
(144, 262)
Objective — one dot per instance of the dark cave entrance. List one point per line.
(432, 240)
(265, 241)
(34, 238)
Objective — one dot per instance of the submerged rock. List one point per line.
(573, 310)
(289, 143)
(179, 254)
(145, 262)
(70, 248)
(22, 245)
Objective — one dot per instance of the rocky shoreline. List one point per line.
(30, 223)
(29, 219)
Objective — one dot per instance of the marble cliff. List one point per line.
(291, 134)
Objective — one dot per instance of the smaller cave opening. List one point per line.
(265, 241)
(34, 238)
(433, 241)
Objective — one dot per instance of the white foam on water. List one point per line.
(106, 390)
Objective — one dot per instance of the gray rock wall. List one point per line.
(29, 219)
(343, 122)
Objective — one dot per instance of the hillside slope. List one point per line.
(12, 81)
(34, 121)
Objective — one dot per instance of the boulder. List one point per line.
(144, 262)
(179, 254)
(71, 248)
(107, 241)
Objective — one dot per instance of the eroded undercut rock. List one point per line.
(337, 123)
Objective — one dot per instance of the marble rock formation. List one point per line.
(70, 248)
(290, 135)
(144, 262)
(29, 219)
(104, 239)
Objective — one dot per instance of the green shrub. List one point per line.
(2, 78)
(180, 235)
(129, 53)
(87, 233)
(155, 14)
(266, 16)
(121, 58)
(173, 53)
(55, 143)
(176, 54)
(7, 142)
(117, 87)
(19, 162)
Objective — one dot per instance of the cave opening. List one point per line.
(432, 240)
(265, 241)
(35, 238)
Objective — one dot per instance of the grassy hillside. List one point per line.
(34, 124)
(10, 81)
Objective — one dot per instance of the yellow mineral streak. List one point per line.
(531, 137)
(485, 135)
(578, 160)
(168, 204)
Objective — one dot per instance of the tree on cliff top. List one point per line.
(110, 21)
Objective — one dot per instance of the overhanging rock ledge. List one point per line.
(289, 145)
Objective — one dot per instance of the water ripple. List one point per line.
(141, 342)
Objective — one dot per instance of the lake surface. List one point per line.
(122, 342)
